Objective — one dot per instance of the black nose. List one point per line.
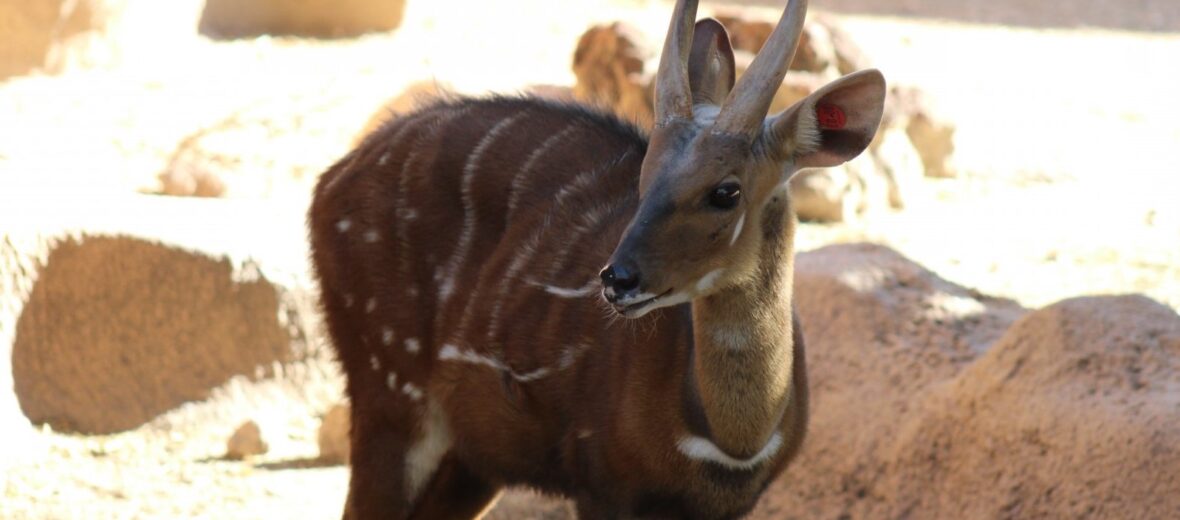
(621, 278)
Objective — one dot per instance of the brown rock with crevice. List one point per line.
(118, 330)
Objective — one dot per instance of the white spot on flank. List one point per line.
(570, 355)
(699, 448)
(372, 236)
(391, 381)
(370, 305)
(343, 225)
(706, 282)
(407, 214)
(412, 345)
(348, 301)
(387, 336)
(383, 159)
(412, 390)
(737, 229)
(467, 234)
(374, 363)
(424, 455)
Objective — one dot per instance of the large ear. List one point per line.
(832, 125)
(710, 64)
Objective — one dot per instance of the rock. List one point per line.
(313, 18)
(932, 134)
(899, 164)
(553, 92)
(848, 57)
(880, 330)
(935, 141)
(33, 29)
(333, 435)
(258, 151)
(246, 441)
(191, 178)
(827, 194)
(111, 318)
(814, 54)
(609, 66)
(1071, 413)
(796, 85)
(930, 397)
(415, 96)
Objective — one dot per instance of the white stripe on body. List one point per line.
(447, 284)
(401, 200)
(520, 180)
(582, 181)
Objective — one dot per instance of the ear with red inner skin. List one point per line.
(832, 125)
(710, 63)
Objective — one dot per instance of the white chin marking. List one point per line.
(637, 298)
(709, 280)
(666, 301)
(699, 448)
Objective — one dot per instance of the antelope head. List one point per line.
(717, 164)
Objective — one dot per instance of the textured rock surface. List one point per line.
(118, 330)
(110, 321)
(316, 18)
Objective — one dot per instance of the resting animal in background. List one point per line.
(461, 253)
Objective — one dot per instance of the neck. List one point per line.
(744, 349)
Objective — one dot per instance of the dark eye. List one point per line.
(725, 195)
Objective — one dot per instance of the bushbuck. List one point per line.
(461, 250)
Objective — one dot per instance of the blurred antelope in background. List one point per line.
(460, 251)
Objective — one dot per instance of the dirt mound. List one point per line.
(931, 401)
(31, 29)
(315, 18)
(118, 330)
(879, 330)
(1073, 413)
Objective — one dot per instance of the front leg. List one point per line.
(377, 485)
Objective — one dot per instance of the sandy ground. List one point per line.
(1067, 138)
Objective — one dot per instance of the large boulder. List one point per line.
(609, 66)
(110, 318)
(32, 29)
(117, 330)
(1074, 412)
(314, 18)
(931, 401)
